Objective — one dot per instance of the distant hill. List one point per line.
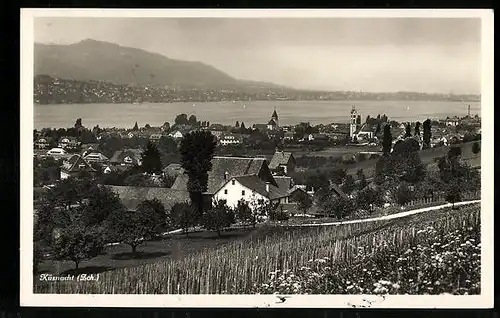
(109, 62)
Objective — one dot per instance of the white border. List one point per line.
(27, 298)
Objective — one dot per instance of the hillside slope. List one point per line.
(103, 61)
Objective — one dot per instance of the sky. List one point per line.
(434, 55)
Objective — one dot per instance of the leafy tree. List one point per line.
(242, 126)
(338, 206)
(244, 213)
(151, 159)
(304, 201)
(184, 216)
(403, 194)
(147, 126)
(454, 153)
(417, 128)
(98, 206)
(407, 130)
(237, 124)
(77, 242)
(192, 121)
(367, 119)
(387, 140)
(154, 214)
(362, 179)
(348, 185)
(78, 123)
(368, 198)
(181, 119)
(377, 130)
(427, 134)
(278, 214)
(337, 175)
(476, 148)
(358, 120)
(218, 217)
(453, 192)
(317, 181)
(136, 127)
(197, 150)
(138, 180)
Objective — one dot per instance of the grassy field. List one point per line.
(173, 247)
(427, 156)
(244, 265)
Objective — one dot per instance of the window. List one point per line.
(232, 182)
(242, 192)
(225, 191)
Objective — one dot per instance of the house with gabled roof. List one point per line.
(364, 132)
(96, 157)
(238, 174)
(43, 142)
(251, 189)
(68, 142)
(131, 196)
(283, 160)
(127, 157)
(74, 165)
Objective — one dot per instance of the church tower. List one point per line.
(275, 117)
(352, 124)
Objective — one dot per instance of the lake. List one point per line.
(289, 112)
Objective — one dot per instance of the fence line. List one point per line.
(441, 198)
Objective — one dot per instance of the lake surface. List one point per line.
(289, 112)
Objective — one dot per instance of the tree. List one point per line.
(387, 140)
(151, 159)
(362, 179)
(192, 121)
(426, 134)
(338, 206)
(304, 201)
(337, 175)
(197, 150)
(407, 130)
(244, 213)
(358, 120)
(218, 217)
(348, 185)
(147, 126)
(237, 124)
(368, 198)
(181, 119)
(138, 180)
(100, 203)
(153, 212)
(77, 242)
(476, 148)
(242, 126)
(454, 153)
(78, 123)
(453, 192)
(403, 194)
(184, 216)
(417, 128)
(367, 119)
(377, 130)
(136, 127)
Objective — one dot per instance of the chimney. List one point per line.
(226, 174)
(267, 186)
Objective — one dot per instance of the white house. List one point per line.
(176, 135)
(251, 189)
(230, 140)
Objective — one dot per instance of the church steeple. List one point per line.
(275, 115)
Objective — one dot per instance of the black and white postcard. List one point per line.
(257, 158)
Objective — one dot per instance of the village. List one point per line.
(262, 149)
(261, 175)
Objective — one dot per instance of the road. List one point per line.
(387, 217)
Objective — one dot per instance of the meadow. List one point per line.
(265, 260)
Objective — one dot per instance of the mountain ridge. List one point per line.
(105, 61)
